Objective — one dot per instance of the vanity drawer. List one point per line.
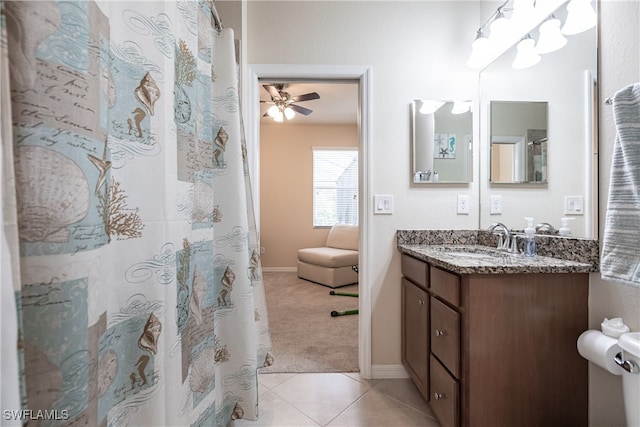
(445, 398)
(445, 335)
(415, 270)
(446, 285)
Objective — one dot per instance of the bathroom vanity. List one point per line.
(489, 338)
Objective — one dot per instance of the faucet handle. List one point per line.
(514, 248)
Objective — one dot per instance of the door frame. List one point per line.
(251, 112)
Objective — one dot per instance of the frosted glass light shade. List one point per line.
(279, 116)
(527, 55)
(460, 107)
(272, 111)
(479, 53)
(581, 17)
(551, 38)
(499, 28)
(289, 113)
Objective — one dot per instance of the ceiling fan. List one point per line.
(283, 103)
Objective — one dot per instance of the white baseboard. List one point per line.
(388, 372)
(279, 269)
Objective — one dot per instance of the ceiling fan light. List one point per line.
(272, 111)
(279, 116)
(289, 113)
(580, 17)
(551, 38)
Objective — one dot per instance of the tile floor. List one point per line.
(336, 399)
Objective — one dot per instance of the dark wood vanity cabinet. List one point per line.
(415, 323)
(500, 348)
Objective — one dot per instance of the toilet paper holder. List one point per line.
(628, 365)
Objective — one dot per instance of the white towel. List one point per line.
(620, 259)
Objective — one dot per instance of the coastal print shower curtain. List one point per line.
(128, 220)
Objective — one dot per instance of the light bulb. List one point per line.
(551, 39)
(580, 17)
(278, 117)
(289, 113)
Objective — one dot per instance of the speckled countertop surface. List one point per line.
(442, 248)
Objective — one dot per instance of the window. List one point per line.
(335, 186)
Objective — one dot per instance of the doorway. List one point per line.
(361, 75)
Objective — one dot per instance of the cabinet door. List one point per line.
(445, 401)
(415, 334)
(445, 336)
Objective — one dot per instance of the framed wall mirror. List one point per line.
(518, 152)
(553, 177)
(441, 141)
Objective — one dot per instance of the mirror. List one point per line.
(565, 165)
(518, 152)
(441, 141)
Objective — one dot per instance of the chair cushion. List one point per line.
(343, 236)
(328, 257)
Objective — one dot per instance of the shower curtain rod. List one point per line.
(216, 16)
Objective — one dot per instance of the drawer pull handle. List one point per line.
(440, 333)
(420, 302)
(438, 396)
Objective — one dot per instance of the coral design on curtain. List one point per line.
(128, 223)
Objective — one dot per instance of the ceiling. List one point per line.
(338, 103)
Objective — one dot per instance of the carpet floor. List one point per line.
(305, 338)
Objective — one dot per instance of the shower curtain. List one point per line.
(130, 251)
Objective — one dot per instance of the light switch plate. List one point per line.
(573, 205)
(382, 205)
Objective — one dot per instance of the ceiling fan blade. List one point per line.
(305, 97)
(272, 91)
(301, 110)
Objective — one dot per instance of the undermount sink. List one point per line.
(472, 251)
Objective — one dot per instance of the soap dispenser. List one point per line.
(564, 229)
(529, 239)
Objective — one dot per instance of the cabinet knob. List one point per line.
(420, 302)
(439, 333)
(438, 396)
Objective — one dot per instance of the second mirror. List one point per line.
(518, 142)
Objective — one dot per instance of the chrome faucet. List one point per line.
(506, 241)
(545, 226)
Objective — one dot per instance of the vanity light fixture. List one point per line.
(460, 107)
(551, 38)
(527, 55)
(525, 16)
(581, 17)
(430, 107)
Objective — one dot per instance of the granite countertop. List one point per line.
(442, 248)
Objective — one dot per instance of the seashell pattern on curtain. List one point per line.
(130, 254)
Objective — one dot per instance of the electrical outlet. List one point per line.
(495, 204)
(463, 204)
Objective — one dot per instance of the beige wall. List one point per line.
(286, 200)
(619, 67)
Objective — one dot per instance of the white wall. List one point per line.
(619, 67)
